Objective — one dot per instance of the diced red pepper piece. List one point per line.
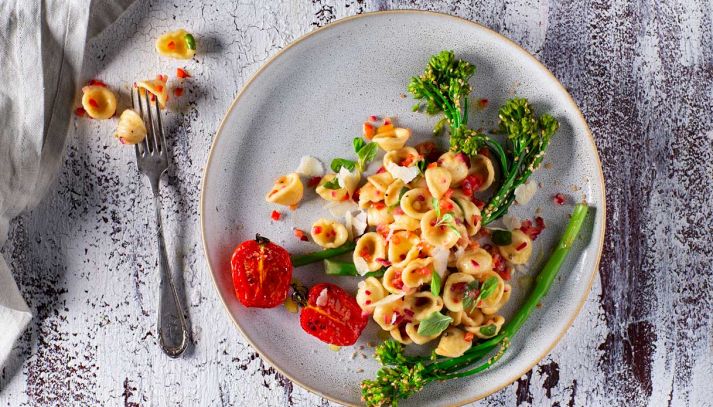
(177, 92)
(275, 215)
(181, 73)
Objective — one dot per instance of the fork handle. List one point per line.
(172, 327)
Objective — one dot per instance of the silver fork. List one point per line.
(152, 160)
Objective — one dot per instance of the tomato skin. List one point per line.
(262, 272)
(339, 321)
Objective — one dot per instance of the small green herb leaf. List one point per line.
(434, 324)
(358, 144)
(469, 294)
(333, 184)
(416, 107)
(488, 330)
(422, 166)
(338, 163)
(448, 218)
(366, 154)
(435, 284)
(436, 207)
(501, 237)
(489, 287)
(190, 41)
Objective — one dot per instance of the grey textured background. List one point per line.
(642, 73)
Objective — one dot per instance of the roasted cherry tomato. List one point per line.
(262, 272)
(332, 315)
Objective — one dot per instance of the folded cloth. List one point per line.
(42, 46)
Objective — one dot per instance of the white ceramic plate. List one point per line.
(312, 98)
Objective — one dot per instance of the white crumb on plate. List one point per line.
(512, 222)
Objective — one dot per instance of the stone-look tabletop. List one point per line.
(85, 260)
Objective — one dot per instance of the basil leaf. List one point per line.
(434, 324)
(488, 330)
(469, 294)
(190, 41)
(489, 287)
(448, 218)
(366, 154)
(422, 166)
(501, 237)
(333, 184)
(436, 207)
(358, 143)
(338, 163)
(435, 283)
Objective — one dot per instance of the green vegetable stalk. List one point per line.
(314, 257)
(402, 376)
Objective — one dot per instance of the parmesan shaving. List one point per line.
(405, 174)
(361, 265)
(310, 167)
(339, 209)
(322, 299)
(356, 222)
(525, 192)
(348, 180)
(440, 260)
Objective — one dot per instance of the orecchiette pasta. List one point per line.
(493, 299)
(404, 222)
(286, 191)
(393, 139)
(340, 194)
(453, 343)
(488, 328)
(156, 87)
(379, 215)
(438, 181)
(471, 317)
(423, 304)
(402, 157)
(519, 250)
(370, 248)
(98, 101)
(436, 232)
(393, 193)
(403, 247)
(370, 291)
(456, 165)
(368, 194)
(454, 289)
(475, 262)
(482, 167)
(418, 182)
(329, 234)
(416, 202)
(392, 281)
(381, 181)
(389, 314)
(177, 44)
(507, 290)
(412, 332)
(400, 335)
(471, 214)
(417, 272)
(131, 128)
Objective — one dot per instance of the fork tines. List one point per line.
(155, 141)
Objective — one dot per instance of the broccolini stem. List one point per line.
(314, 257)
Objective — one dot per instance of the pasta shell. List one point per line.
(393, 139)
(157, 87)
(471, 214)
(369, 292)
(174, 45)
(405, 222)
(423, 304)
(435, 234)
(519, 250)
(393, 193)
(438, 180)
(403, 157)
(287, 190)
(340, 194)
(482, 167)
(417, 272)
(403, 247)
(507, 291)
(493, 299)
(456, 164)
(453, 343)
(412, 332)
(329, 234)
(381, 181)
(392, 281)
(99, 102)
(379, 215)
(368, 194)
(131, 128)
(496, 320)
(400, 335)
(387, 315)
(370, 247)
(416, 202)
(418, 182)
(453, 291)
(475, 262)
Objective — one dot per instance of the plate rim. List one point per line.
(501, 37)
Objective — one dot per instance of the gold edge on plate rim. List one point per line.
(518, 48)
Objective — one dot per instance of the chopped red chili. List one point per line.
(559, 199)
(275, 215)
(181, 73)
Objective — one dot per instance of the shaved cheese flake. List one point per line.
(525, 192)
(512, 222)
(361, 265)
(348, 180)
(340, 208)
(405, 174)
(356, 222)
(310, 167)
(322, 299)
(440, 260)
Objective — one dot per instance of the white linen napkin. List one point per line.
(42, 46)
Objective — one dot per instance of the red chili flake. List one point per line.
(317, 230)
(470, 184)
(181, 73)
(80, 111)
(152, 97)
(382, 229)
(521, 246)
(505, 274)
(408, 160)
(171, 45)
(468, 337)
(314, 181)
(448, 194)
(445, 206)
(346, 197)
(373, 118)
(533, 231)
(177, 92)
(387, 121)
(474, 263)
(162, 78)
(275, 215)
(300, 234)
(96, 82)
(383, 262)
(379, 205)
(408, 312)
(559, 199)
(463, 157)
(331, 234)
(355, 196)
(432, 165)
(365, 254)
(159, 88)
(381, 170)
(420, 198)
(367, 292)
(480, 204)
(367, 302)
(397, 282)
(483, 103)
(368, 130)
(424, 271)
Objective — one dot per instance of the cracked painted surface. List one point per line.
(642, 74)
